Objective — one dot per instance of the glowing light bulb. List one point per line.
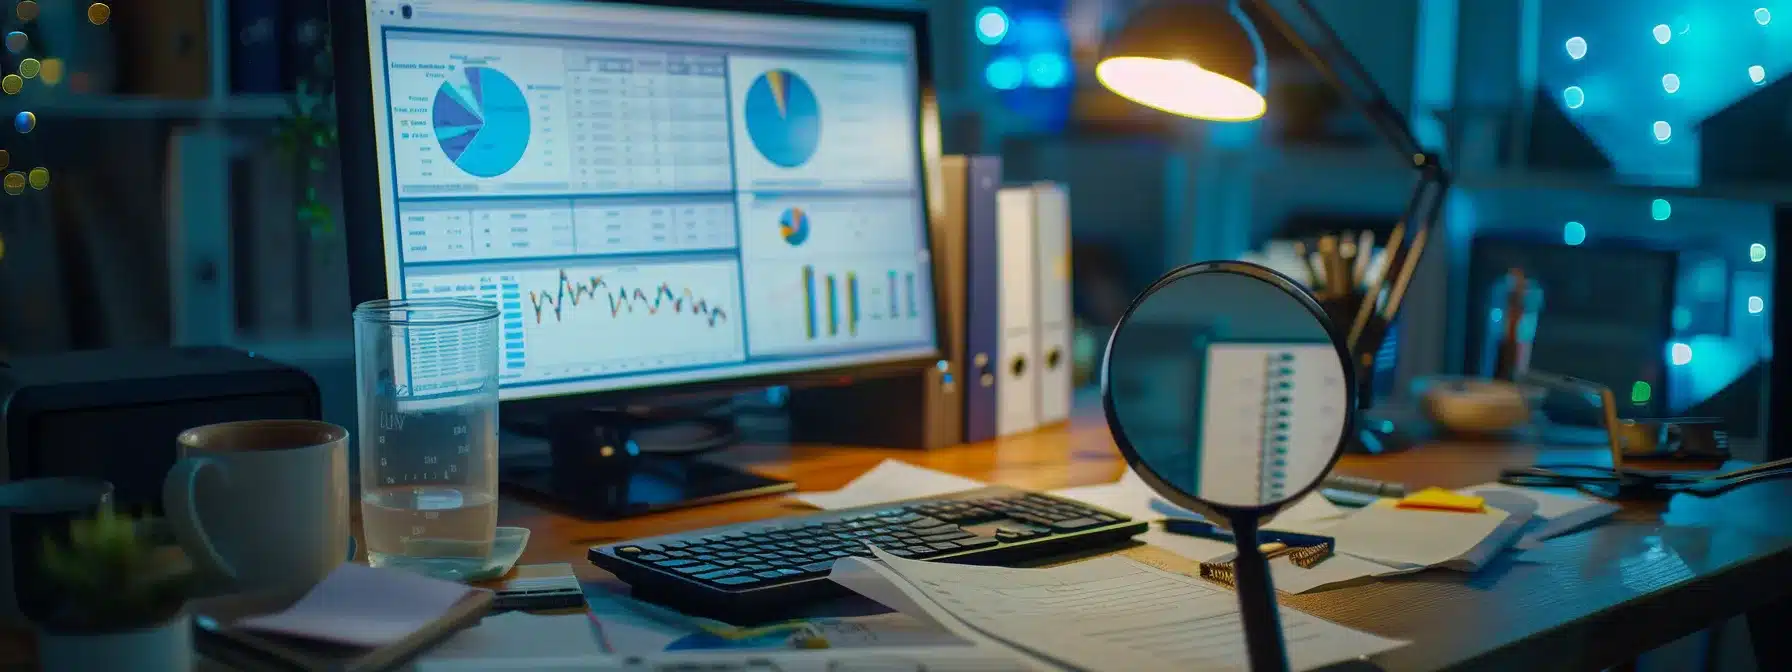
(1670, 82)
(1573, 97)
(1762, 16)
(1577, 47)
(1663, 33)
(992, 25)
(1757, 74)
(1661, 209)
(1757, 253)
(1662, 131)
(1573, 233)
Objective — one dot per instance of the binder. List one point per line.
(1015, 362)
(1054, 328)
(965, 244)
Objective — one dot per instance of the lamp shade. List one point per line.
(1194, 58)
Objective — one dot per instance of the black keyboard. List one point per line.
(753, 572)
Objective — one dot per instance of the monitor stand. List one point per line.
(596, 469)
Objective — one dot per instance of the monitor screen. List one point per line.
(654, 195)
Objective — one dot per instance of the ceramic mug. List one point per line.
(261, 504)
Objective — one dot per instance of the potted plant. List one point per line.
(120, 596)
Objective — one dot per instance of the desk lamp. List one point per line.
(1203, 59)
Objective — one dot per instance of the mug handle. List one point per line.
(180, 499)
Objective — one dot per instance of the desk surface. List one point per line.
(1586, 601)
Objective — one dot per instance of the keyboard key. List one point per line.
(710, 576)
(737, 580)
(651, 557)
(948, 536)
(976, 542)
(1074, 524)
(696, 569)
(944, 546)
(925, 523)
(770, 574)
(929, 531)
(901, 552)
(675, 562)
(821, 566)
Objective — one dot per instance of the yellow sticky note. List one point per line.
(1439, 499)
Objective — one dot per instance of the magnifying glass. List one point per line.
(1230, 392)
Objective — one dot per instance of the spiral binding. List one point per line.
(1278, 393)
(1305, 557)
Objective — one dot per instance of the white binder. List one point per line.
(1016, 360)
(1054, 327)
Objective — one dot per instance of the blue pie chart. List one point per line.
(481, 121)
(783, 118)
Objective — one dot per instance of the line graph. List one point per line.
(584, 320)
(569, 294)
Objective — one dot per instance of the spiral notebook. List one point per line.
(1268, 409)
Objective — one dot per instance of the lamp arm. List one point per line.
(1334, 61)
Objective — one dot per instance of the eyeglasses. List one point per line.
(1633, 484)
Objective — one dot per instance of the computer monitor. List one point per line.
(657, 195)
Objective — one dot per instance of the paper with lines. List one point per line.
(1114, 613)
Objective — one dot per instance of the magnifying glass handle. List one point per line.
(1257, 601)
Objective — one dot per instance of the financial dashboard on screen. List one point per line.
(654, 195)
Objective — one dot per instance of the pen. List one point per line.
(1365, 253)
(1367, 486)
(1306, 262)
(1207, 530)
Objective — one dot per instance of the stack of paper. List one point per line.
(889, 481)
(1558, 512)
(1109, 613)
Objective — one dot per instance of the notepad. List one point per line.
(1439, 499)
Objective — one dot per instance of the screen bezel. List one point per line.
(364, 220)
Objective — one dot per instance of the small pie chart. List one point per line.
(481, 121)
(794, 226)
(783, 118)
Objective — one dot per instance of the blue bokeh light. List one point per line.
(1757, 253)
(1005, 73)
(1574, 97)
(1663, 33)
(1663, 132)
(1573, 233)
(1756, 304)
(1680, 354)
(1757, 74)
(1048, 70)
(992, 25)
(1661, 209)
(1762, 16)
(1577, 47)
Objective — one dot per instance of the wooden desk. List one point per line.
(1587, 601)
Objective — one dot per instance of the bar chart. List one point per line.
(836, 303)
